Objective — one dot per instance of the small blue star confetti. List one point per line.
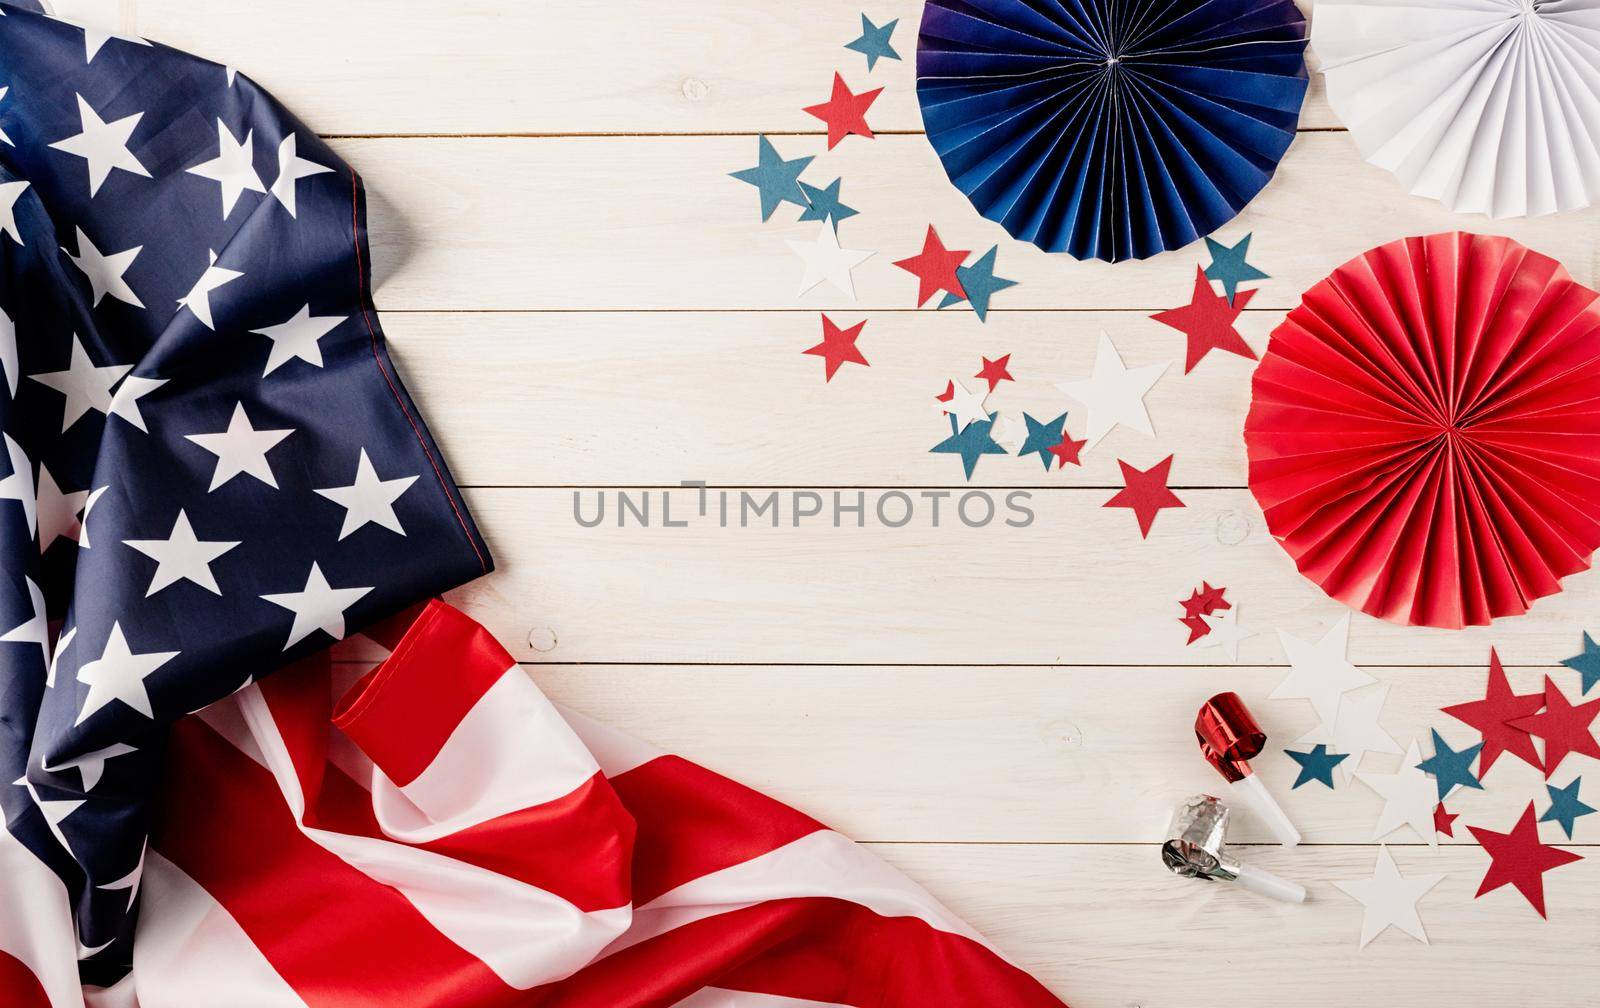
(777, 180)
(970, 442)
(874, 42)
(1449, 767)
(825, 204)
(1316, 765)
(1041, 438)
(1229, 267)
(1586, 664)
(980, 283)
(1565, 806)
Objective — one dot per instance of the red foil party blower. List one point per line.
(1229, 739)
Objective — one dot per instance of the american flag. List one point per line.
(211, 472)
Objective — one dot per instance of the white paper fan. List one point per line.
(1489, 106)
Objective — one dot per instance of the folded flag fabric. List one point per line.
(208, 466)
(436, 832)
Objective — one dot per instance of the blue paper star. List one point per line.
(980, 283)
(1586, 664)
(970, 442)
(1565, 806)
(778, 180)
(874, 42)
(825, 204)
(1228, 266)
(1316, 765)
(1450, 767)
(1041, 438)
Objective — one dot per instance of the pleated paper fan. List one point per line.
(1110, 129)
(1489, 106)
(1424, 430)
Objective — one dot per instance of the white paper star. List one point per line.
(88, 506)
(58, 512)
(1226, 633)
(318, 607)
(19, 485)
(10, 192)
(92, 766)
(86, 385)
(36, 628)
(103, 145)
(1006, 432)
(241, 449)
(233, 168)
(298, 338)
(8, 353)
(182, 557)
(198, 300)
(119, 674)
(1389, 899)
(1356, 731)
(825, 260)
(104, 272)
(1113, 394)
(369, 499)
(965, 405)
(1319, 671)
(291, 169)
(1409, 796)
(125, 401)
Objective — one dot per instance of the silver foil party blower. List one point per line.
(1196, 848)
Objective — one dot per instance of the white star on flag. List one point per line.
(104, 272)
(88, 506)
(241, 449)
(19, 485)
(58, 512)
(103, 145)
(182, 556)
(86, 385)
(94, 38)
(91, 766)
(1113, 394)
(8, 353)
(53, 810)
(318, 607)
(10, 192)
(3, 138)
(291, 169)
(125, 401)
(34, 630)
(129, 881)
(369, 499)
(119, 674)
(298, 338)
(198, 300)
(233, 168)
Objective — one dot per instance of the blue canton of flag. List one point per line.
(208, 466)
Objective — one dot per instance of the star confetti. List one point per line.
(966, 406)
(825, 204)
(1443, 821)
(825, 260)
(935, 268)
(838, 347)
(1450, 768)
(1042, 437)
(1586, 664)
(949, 392)
(1408, 798)
(1356, 730)
(1067, 451)
(1320, 672)
(970, 442)
(1224, 633)
(1565, 807)
(1145, 493)
(1389, 899)
(776, 179)
(845, 113)
(996, 371)
(979, 283)
(1207, 320)
(1229, 268)
(874, 42)
(1563, 727)
(1113, 394)
(1492, 717)
(1007, 432)
(1316, 765)
(1203, 601)
(1518, 858)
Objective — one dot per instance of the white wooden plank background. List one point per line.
(582, 300)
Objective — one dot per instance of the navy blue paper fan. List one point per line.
(1111, 129)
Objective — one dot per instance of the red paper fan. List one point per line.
(1424, 430)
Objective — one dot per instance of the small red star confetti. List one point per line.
(1444, 822)
(838, 346)
(1564, 728)
(1492, 717)
(1067, 451)
(1208, 322)
(1518, 858)
(1145, 493)
(935, 268)
(1203, 601)
(995, 371)
(845, 113)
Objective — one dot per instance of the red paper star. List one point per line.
(949, 392)
(1492, 717)
(995, 371)
(1146, 493)
(838, 346)
(1067, 451)
(1444, 822)
(1564, 728)
(935, 268)
(1203, 601)
(845, 113)
(1208, 322)
(1520, 859)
